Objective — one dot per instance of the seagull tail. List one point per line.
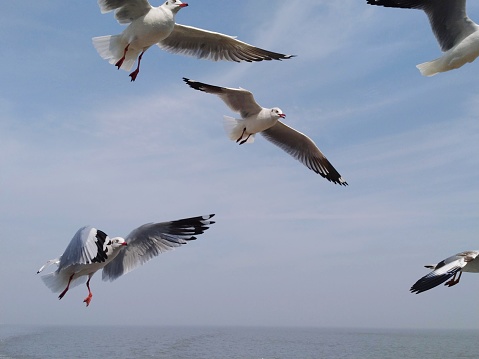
(430, 68)
(112, 48)
(59, 281)
(235, 129)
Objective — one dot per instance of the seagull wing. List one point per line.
(205, 44)
(238, 100)
(151, 239)
(125, 10)
(88, 245)
(303, 149)
(443, 271)
(448, 18)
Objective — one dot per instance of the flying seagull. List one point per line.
(462, 262)
(150, 25)
(266, 121)
(92, 249)
(457, 34)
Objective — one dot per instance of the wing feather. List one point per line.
(238, 100)
(125, 10)
(303, 149)
(88, 245)
(215, 46)
(448, 18)
(442, 272)
(149, 240)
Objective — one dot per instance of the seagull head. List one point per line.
(118, 242)
(277, 113)
(175, 5)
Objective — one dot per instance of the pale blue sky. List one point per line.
(81, 145)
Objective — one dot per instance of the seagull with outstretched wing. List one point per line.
(92, 249)
(257, 119)
(149, 25)
(448, 268)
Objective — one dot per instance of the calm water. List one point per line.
(218, 342)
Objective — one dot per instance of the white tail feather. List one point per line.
(234, 129)
(430, 68)
(57, 282)
(112, 47)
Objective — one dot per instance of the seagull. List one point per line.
(456, 33)
(266, 121)
(462, 262)
(92, 249)
(150, 25)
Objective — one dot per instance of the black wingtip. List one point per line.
(395, 4)
(193, 84)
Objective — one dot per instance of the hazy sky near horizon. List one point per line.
(82, 145)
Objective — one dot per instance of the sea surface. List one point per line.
(233, 342)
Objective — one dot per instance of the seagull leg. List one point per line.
(454, 281)
(246, 139)
(62, 294)
(87, 300)
(242, 134)
(450, 282)
(240, 137)
(120, 61)
(134, 74)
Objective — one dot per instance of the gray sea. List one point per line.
(233, 342)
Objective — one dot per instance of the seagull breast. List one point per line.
(149, 29)
(260, 122)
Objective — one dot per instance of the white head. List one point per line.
(118, 242)
(277, 113)
(174, 5)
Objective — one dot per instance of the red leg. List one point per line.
(62, 294)
(87, 300)
(120, 61)
(454, 281)
(134, 74)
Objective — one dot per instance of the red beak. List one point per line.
(282, 115)
(124, 244)
(184, 5)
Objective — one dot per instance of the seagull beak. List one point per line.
(124, 244)
(184, 5)
(282, 115)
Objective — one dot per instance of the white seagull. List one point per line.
(91, 250)
(462, 262)
(266, 121)
(457, 34)
(150, 25)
